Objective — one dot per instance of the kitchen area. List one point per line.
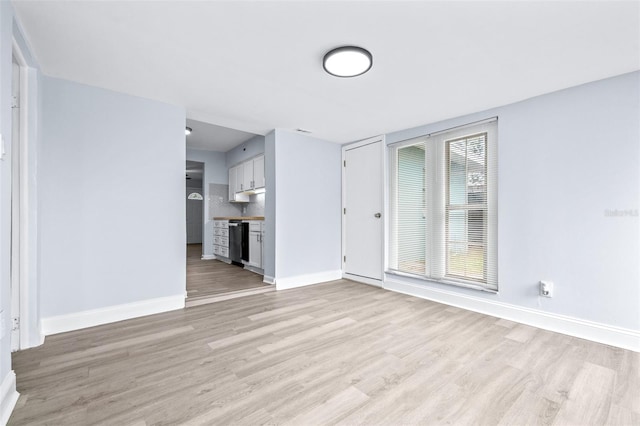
(229, 263)
(238, 239)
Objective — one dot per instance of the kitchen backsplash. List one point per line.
(219, 204)
(256, 206)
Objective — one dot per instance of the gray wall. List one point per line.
(215, 172)
(307, 205)
(105, 241)
(244, 151)
(564, 159)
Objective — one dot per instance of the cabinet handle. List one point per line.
(240, 187)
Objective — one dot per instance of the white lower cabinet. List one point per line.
(255, 244)
(221, 238)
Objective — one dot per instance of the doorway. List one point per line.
(22, 296)
(363, 207)
(15, 204)
(195, 202)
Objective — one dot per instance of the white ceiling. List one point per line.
(214, 138)
(255, 66)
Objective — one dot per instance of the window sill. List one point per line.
(450, 282)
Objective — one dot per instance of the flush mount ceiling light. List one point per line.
(187, 130)
(347, 61)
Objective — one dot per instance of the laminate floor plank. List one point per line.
(334, 353)
(210, 277)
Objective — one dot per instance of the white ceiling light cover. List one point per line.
(347, 61)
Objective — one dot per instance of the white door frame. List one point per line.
(21, 297)
(383, 169)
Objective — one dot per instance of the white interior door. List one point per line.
(363, 244)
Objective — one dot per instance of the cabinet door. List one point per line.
(247, 180)
(232, 183)
(258, 172)
(239, 178)
(255, 249)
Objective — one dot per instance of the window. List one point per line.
(443, 207)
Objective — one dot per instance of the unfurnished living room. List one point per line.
(319, 212)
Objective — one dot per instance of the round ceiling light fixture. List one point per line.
(187, 130)
(347, 61)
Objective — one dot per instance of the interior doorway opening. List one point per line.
(15, 205)
(194, 202)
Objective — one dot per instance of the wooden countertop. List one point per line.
(239, 218)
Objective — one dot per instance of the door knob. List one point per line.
(378, 215)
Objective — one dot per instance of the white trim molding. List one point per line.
(8, 397)
(307, 279)
(109, 314)
(576, 327)
(208, 257)
(365, 280)
(268, 280)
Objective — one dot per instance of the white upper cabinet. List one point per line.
(235, 181)
(246, 176)
(232, 184)
(258, 172)
(240, 178)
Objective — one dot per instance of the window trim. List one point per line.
(491, 242)
(466, 207)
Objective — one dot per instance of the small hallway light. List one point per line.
(347, 61)
(187, 130)
(195, 196)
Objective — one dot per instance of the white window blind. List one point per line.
(443, 207)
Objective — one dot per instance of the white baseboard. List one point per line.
(8, 397)
(589, 330)
(109, 314)
(308, 279)
(208, 257)
(254, 269)
(365, 280)
(35, 339)
(268, 280)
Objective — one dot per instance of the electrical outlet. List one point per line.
(546, 288)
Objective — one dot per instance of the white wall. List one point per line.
(269, 245)
(6, 17)
(105, 242)
(564, 159)
(30, 333)
(215, 171)
(307, 209)
(244, 151)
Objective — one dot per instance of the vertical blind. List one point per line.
(443, 206)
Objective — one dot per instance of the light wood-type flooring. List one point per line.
(333, 353)
(208, 280)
